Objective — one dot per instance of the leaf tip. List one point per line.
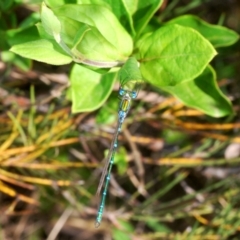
(11, 49)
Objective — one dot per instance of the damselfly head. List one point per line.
(131, 88)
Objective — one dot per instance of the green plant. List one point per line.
(12, 34)
(102, 35)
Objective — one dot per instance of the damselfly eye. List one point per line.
(122, 92)
(133, 94)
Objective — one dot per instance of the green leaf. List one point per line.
(82, 29)
(106, 23)
(6, 4)
(145, 11)
(18, 36)
(130, 76)
(131, 6)
(89, 89)
(3, 41)
(30, 20)
(58, 3)
(173, 54)
(72, 31)
(42, 50)
(81, 36)
(203, 94)
(122, 10)
(52, 27)
(219, 36)
(43, 34)
(50, 22)
(90, 44)
(130, 71)
(55, 3)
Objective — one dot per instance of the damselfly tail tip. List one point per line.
(97, 224)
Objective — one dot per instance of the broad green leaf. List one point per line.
(80, 39)
(72, 31)
(89, 89)
(28, 1)
(55, 3)
(30, 21)
(50, 22)
(58, 3)
(105, 22)
(82, 30)
(145, 11)
(130, 76)
(173, 54)
(131, 6)
(99, 2)
(219, 36)
(18, 36)
(3, 41)
(42, 50)
(153, 25)
(5, 4)
(130, 71)
(42, 33)
(122, 10)
(86, 41)
(203, 94)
